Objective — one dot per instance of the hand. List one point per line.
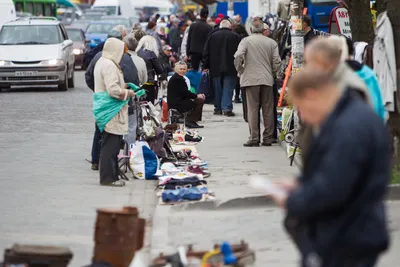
(205, 70)
(280, 200)
(201, 96)
(185, 59)
(126, 86)
(287, 184)
(131, 93)
(172, 59)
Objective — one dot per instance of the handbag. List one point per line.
(205, 84)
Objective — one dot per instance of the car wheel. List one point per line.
(64, 85)
(71, 81)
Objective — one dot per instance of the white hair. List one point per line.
(340, 43)
(148, 42)
(178, 64)
(225, 24)
(121, 29)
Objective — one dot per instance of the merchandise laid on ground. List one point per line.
(221, 255)
(167, 154)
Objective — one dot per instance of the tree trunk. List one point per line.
(360, 20)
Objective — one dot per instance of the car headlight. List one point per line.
(53, 62)
(5, 63)
(77, 51)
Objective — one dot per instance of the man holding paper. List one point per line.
(335, 210)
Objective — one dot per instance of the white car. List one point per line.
(36, 52)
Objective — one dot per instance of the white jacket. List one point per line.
(108, 77)
(184, 43)
(385, 60)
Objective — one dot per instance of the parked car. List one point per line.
(36, 52)
(80, 46)
(94, 15)
(119, 20)
(97, 31)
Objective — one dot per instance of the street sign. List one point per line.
(339, 22)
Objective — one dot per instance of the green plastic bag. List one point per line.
(105, 108)
(193, 90)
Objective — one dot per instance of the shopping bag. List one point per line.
(143, 160)
(105, 108)
(194, 78)
(205, 84)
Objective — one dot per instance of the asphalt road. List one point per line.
(49, 194)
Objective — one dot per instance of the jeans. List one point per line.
(224, 87)
(96, 145)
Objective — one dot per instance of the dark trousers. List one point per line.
(96, 145)
(151, 92)
(237, 89)
(194, 108)
(195, 59)
(110, 147)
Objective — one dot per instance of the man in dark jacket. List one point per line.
(165, 60)
(197, 37)
(335, 209)
(175, 39)
(218, 58)
(130, 73)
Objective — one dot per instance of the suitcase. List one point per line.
(37, 256)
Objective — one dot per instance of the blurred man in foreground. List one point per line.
(335, 209)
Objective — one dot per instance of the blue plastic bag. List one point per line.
(205, 84)
(194, 78)
(105, 108)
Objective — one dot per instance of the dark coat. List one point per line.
(164, 60)
(343, 185)
(219, 53)
(128, 68)
(153, 64)
(197, 37)
(241, 30)
(178, 95)
(89, 55)
(175, 39)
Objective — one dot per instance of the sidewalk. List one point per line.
(231, 166)
(239, 213)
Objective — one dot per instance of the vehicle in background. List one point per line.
(97, 31)
(319, 12)
(7, 11)
(23, 15)
(112, 7)
(46, 8)
(119, 20)
(84, 7)
(94, 15)
(80, 24)
(36, 52)
(80, 46)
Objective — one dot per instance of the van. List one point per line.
(7, 11)
(112, 7)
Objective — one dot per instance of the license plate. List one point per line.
(26, 73)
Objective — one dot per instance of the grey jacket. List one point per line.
(257, 60)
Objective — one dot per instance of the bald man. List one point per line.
(323, 55)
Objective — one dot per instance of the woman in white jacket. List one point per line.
(108, 77)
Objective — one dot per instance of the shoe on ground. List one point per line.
(193, 125)
(95, 166)
(238, 101)
(229, 114)
(266, 144)
(118, 183)
(218, 112)
(251, 144)
(198, 170)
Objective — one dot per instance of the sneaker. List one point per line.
(251, 144)
(198, 170)
(229, 114)
(218, 112)
(118, 183)
(190, 138)
(95, 166)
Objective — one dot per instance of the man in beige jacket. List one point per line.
(108, 77)
(257, 61)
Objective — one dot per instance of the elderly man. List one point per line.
(335, 209)
(323, 54)
(132, 44)
(218, 58)
(175, 39)
(257, 60)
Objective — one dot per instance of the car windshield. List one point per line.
(74, 35)
(100, 28)
(110, 10)
(30, 35)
